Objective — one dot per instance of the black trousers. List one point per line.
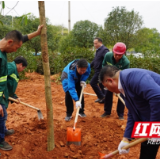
(69, 101)
(148, 151)
(108, 104)
(98, 89)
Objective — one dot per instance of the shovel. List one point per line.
(74, 134)
(40, 116)
(114, 93)
(105, 156)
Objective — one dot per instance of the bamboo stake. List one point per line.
(48, 93)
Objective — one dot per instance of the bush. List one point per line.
(31, 60)
(149, 63)
(59, 61)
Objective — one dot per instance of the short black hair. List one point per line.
(108, 71)
(14, 35)
(21, 59)
(82, 63)
(99, 39)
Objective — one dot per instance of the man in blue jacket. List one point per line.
(141, 90)
(73, 77)
(101, 50)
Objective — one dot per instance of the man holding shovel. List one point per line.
(10, 43)
(15, 67)
(141, 90)
(118, 59)
(73, 77)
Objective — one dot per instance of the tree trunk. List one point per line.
(48, 94)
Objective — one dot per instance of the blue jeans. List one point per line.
(2, 123)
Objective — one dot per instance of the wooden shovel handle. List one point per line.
(77, 112)
(140, 140)
(28, 105)
(120, 98)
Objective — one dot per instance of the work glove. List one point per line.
(121, 145)
(78, 104)
(83, 83)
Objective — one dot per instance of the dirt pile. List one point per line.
(30, 138)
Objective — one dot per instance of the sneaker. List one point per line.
(68, 118)
(121, 118)
(105, 115)
(82, 115)
(5, 146)
(9, 132)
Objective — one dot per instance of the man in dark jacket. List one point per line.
(141, 90)
(101, 50)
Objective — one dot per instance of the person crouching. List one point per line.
(73, 77)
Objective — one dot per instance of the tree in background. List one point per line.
(148, 41)
(84, 32)
(121, 25)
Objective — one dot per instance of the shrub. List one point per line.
(149, 63)
(31, 60)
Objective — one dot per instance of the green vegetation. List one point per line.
(119, 25)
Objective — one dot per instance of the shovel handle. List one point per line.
(140, 140)
(77, 112)
(120, 98)
(28, 105)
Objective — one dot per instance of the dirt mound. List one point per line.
(30, 138)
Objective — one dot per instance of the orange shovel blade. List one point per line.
(73, 136)
(105, 156)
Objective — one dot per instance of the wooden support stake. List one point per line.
(48, 93)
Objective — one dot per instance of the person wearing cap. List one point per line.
(118, 59)
(14, 68)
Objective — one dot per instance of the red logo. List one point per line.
(146, 130)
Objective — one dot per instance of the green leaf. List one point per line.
(3, 4)
(1, 23)
(26, 20)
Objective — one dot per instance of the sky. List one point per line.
(94, 11)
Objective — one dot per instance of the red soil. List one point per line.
(30, 138)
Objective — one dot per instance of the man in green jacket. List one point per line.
(10, 43)
(18, 65)
(118, 59)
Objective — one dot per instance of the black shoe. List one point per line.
(9, 132)
(82, 115)
(68, 118)
(105, 115)
(97, 100)
(121, 118)
(5, 146)
(101, 100)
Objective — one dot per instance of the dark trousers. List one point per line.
(108, 104)
(2, 123)
(148, 151)
(69, 101)
(99, 90)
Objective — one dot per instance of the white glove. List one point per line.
(78, 104)
(82, 83)
(154, 139)
(121, 145)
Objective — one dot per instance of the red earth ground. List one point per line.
(30, 138)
